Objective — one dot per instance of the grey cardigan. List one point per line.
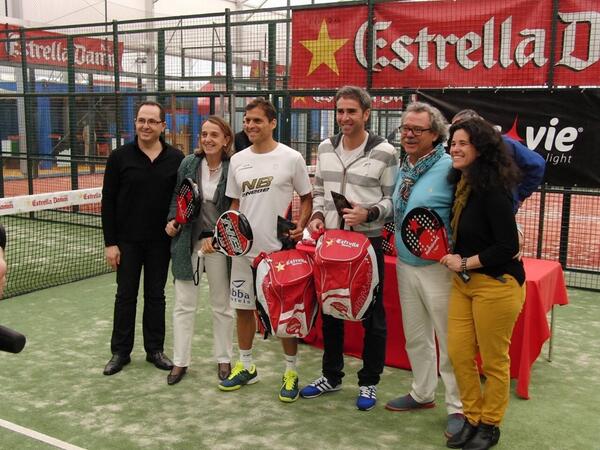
(181, 244)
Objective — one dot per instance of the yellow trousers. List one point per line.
(481, 317)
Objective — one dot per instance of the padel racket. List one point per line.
(424, 234)
(188, 200)
(233, 234)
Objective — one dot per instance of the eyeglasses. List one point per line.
(150, 122)
(416, 131)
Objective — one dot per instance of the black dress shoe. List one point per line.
(176, 375)
(223, 370)
(160, 360)
(115, 364)
(486, 437)
(463, 436)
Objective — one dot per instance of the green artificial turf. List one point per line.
(56, 387)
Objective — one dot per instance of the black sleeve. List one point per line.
(505, 240)
(2, 237)
(110, 190)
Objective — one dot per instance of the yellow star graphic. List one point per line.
(280, 267)
(323, 50)
(329, 242)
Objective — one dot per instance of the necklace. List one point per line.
(215, 169)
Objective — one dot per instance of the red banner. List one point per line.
(461, 43)
(578, 43)
(393, 102)
(95, 54)
(323, 47)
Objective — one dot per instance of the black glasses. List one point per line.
(150, 122)
(416, 131)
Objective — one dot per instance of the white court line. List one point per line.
(39, 436)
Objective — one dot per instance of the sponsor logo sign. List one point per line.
(447, 44)
(561, 126)
(47, 48)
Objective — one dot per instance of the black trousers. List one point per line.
(154, 257)
(373, 355)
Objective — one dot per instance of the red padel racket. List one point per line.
(424, 234)
(188, 200)
(233, 234)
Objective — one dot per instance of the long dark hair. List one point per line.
(493, 168)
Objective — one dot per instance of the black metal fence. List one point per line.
(68, 96)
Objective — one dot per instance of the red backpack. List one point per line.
(285, 293)
(346, 275)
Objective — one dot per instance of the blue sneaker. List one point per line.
(239, 377)
(367, 397)
(289, 389)
(320, 386)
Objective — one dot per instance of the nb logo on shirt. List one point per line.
(256, 185)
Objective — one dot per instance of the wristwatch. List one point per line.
(372, 213)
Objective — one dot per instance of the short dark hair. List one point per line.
(151, 103)
(466, 114)
(493, 168)
(355, 93)
(265, 105)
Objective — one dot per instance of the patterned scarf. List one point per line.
(411, 176)
(463, 189)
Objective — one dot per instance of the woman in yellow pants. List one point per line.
(482, 311)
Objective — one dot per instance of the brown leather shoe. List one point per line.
(223, 370)
(176, 375)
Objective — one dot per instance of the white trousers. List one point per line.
(424, 298)
(186, 304)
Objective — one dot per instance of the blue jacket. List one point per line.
(532, 167)
(432, 190)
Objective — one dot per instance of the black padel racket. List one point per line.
(424, 234)
(188, 200)
(233, 234)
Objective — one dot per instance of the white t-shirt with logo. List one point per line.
(264, 183)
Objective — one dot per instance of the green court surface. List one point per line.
(56, 387)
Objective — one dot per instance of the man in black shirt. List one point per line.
(139, 180)
(241, 141)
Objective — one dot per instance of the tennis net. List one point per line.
(52, 239)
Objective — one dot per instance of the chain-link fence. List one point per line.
(68, 94)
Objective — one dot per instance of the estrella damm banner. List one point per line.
(461, 43)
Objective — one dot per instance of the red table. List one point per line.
(545, 288)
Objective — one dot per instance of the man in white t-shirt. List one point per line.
(261, 181)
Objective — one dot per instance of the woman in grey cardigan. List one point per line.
(207, 166)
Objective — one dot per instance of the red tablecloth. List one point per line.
(545, 288)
